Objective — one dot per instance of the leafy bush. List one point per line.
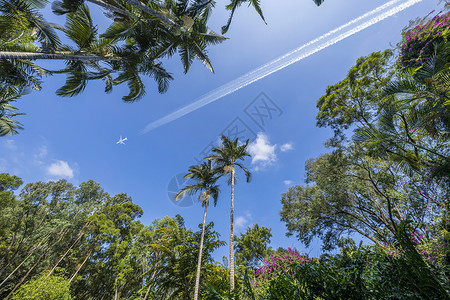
(44, 288)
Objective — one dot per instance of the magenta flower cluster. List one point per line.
(278, 262)
(417, 45)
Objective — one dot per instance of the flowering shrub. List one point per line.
(279, 262)
(417, 45)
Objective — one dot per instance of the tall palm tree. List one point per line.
(227, 157)
(205, 177)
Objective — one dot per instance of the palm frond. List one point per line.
(187, 57)
(9, 126)
(134, 82)
(257, 5)
(66, 6)
(234, 4)
(318, 2)
(76, 80)
(161, 76)
(27, 10)
(80, 28)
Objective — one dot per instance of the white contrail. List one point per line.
(378, 14)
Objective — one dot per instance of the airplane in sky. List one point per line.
(122, 140)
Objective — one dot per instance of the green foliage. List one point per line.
(252, 246)
(426, 281)
(229, 155)
(412, 129)
(395, 167)
(356, 98)
(352, 192)
(98, 240)
(44, 288)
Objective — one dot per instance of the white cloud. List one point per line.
(3, 165)
(240, 222)
(61, 169)
(262, 152)
(10, 145)
(288, 182)
(40, 155)
(286, 147)
(42, 152)
(34, 159)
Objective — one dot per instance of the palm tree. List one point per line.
(227, 157)
(147, 40)
(205, 176)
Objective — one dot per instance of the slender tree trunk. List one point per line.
(199, 263)
(151, 278)
(79, 268)
(30, 252)
(17, 268)
(70, 248)
(67, 251)
(232, 234)
(24, 239)
(9, 248)
(26, 275)
(56, 56)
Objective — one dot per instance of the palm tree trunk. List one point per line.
(199, 263)
(232, 234)
(60, 56)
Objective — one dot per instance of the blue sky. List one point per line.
(75, 138)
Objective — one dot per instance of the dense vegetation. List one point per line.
(385, 179)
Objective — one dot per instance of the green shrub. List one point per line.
(44, 288)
